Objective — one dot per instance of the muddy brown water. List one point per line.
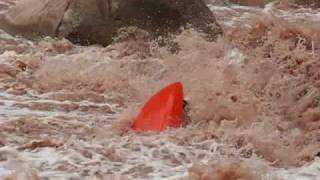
(65, 110)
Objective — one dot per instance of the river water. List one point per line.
(65, 110)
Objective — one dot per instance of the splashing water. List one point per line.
(65, 110)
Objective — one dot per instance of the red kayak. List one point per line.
(163, 110)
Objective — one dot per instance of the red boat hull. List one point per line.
(163, 110)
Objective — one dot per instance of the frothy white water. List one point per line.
(136, 156)
(306, 172)
(22, 106)
(61, 135)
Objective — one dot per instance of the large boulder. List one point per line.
(34, 17)
(97, 21)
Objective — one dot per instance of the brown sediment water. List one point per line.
(65, 110)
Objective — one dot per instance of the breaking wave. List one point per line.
(65, 110)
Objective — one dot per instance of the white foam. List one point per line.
(308, 172)
(165, 158)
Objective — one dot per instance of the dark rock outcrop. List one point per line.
(97, 21)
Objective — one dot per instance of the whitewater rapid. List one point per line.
(65, 110)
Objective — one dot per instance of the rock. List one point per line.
(97, 21)
(83, 23)
(160, 17)
(33, 18)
